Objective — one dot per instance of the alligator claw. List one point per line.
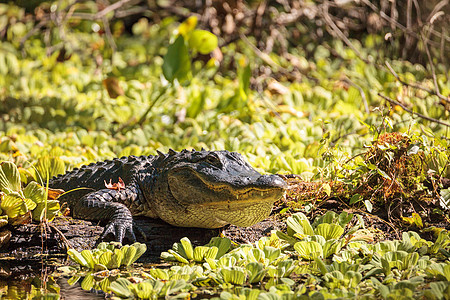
(120, 229)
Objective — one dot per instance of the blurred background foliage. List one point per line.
(296, 86)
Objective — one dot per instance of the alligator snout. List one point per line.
(270, 181)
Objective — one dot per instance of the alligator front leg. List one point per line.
(104, 205)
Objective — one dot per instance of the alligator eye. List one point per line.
(215, 161)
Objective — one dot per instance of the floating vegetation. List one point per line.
(325, 258)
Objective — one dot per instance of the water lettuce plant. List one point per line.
(18, 204)
(108, 256)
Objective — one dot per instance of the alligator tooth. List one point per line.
(237, 197)
(262, 194)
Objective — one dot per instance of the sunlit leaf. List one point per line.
(188, 249)
(203, 41)
(233, 275)
(89, 258)
(329, 231)
(308, 250)
(77, 257)
(186, 28)
(35, 192)
(105, 258)
(140, 250)
(88, 282)
(120, 287)
(14, 206)
(47, 167)
(9, 177)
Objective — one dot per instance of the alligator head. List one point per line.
(213, 188)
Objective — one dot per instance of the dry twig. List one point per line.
(414, 85)
(392, 101)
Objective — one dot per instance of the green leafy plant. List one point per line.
(16, 203)
(108, 256)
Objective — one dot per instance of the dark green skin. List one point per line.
(207, 189)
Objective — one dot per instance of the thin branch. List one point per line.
(109, 35)
(339, 33)
(110, 8)
(402, 27)
(392, 101)
(101, 14)
(414, 85)
(433, 72)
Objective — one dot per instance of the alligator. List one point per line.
(206, 189)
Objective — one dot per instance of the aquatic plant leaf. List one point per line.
(116, 260)
(329, 231)
(167, 256)
(256, 254)
(100, 267)
(211, 253)
(9, 177)
(286, 237)
(143, 290)
(105, 258)
(129, 253)
(298, 223)
(233, 275)
(199, 253)
(187, 26)
(438, 290)
(76, 256)
(47, 167)
(140, 250)
(34, 192)
(223, 245)
(172, 287)
(178, 257)
(14, 206)
(271, 253)
(332, 246)
(120, 288)
(308, 250)
(188, 249)
(74, 279)
(104, 284)
(88, 282)
(102, 245)
(256, 271)
(227, 261)
(159, 274)
(89, 258)
(211, 263)
(446, 271)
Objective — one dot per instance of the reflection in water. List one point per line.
(19, 280)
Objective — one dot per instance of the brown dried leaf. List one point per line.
(113, 87)
(115, 186)
(53, 194)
